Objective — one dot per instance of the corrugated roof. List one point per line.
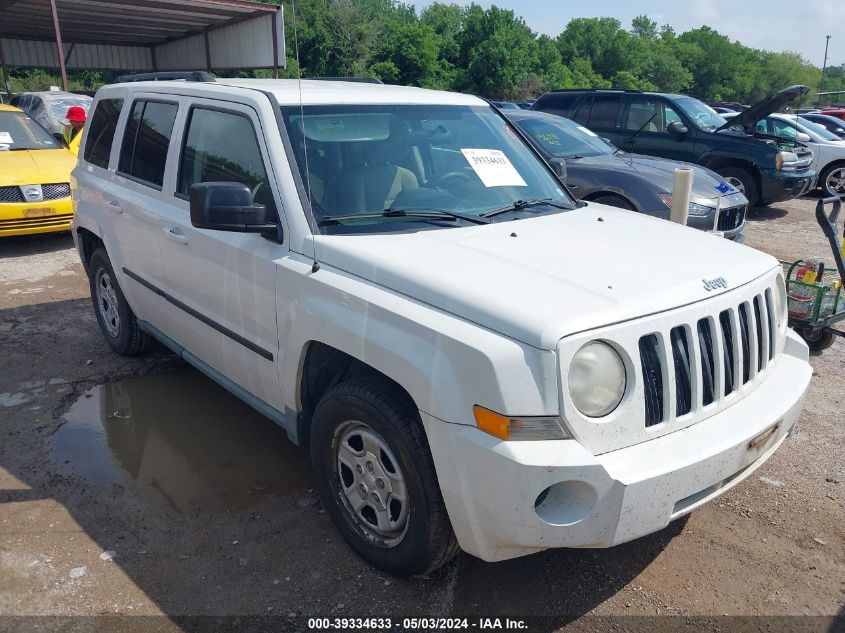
(123, 22)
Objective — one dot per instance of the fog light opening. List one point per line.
(566, 502)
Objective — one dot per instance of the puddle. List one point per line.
(181, 440)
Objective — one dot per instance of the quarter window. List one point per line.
(605, 111)
(101, 132)
(223, 147)
(147, 138)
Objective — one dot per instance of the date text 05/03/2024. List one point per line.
(385, 624)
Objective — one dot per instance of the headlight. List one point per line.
(597, 379)
(694, 208)
(786, 161)
(780, 299)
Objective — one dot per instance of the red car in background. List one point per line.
(838, 113)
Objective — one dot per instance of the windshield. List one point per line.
(57, 107)
(819, 130)
(702, 115)
(360, 160)
(563, 138)
(18, 131)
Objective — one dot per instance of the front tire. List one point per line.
(832, 180)
(819, 340)
(376, 477)
(116, 320)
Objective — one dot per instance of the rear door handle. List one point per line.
(114, 206)
(175, 236)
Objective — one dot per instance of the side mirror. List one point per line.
(227, 206)
(839, 131)
(677, 128)
(801, 137)
(559, 166)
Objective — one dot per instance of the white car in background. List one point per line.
(828, 149)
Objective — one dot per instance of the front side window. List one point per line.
(223, 147)
(19, 131)
(649, 114)
(146, 141)
(101, 131)
(366, 160)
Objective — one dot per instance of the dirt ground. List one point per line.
(137, 487)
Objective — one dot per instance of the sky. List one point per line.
(776, 25)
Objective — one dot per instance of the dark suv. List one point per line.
(766, 170)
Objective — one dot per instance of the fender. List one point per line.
(445, 363)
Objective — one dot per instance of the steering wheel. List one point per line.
(458, 177)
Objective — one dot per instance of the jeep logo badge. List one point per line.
(713, 284)
(32, 193)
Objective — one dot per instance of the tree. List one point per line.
(645, 27)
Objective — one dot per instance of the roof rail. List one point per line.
(192, 75)
(595, 90)
(360, 80)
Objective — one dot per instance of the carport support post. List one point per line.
(5, 70)
(60, 49)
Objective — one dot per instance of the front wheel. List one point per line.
(375, 475)
(832, 180)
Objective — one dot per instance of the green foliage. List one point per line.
(493, 53)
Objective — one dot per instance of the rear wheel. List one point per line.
(743, 181)
(116, 320)
(376, 478)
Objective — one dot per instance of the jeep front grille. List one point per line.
(726, 351)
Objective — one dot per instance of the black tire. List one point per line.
(818, 341)
(122, 334)
(824, 176)
(742, 179)
(427, 541)
(612, 200)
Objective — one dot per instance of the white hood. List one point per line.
(560, 274)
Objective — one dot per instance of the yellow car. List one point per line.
(34, 177)
(74, 144)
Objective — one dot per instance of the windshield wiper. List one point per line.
(519, 205)
(429, 214)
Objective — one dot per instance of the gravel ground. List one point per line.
(154, 517)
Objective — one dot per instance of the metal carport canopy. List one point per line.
(141, 35)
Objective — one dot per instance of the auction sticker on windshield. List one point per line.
(493, 168)
(6, 137)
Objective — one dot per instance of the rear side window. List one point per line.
(582, 114)
(605, 111)
(101, 131)
(223, 147)
(146, 141)
(557, 103)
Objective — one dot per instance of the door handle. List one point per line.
(114, 206)
(174, 236)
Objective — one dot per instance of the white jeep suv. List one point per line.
(397, 279)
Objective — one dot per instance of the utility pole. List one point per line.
(824, 66)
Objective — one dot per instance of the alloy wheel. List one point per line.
(107, 303)
(834, 184)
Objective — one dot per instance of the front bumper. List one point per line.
(29, 218)
(490, 487)
(780, 185)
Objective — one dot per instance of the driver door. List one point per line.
(644, 130)
(220, 284)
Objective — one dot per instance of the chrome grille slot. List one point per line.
(730, 219)
(771, 323)
(682, 358)
(745, 342)
(727, 349)
(762, 335)
(708, 361)
(652, 366)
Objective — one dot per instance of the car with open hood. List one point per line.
(828, 149)
(679, 127)
(474, 359)
(595, 170)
